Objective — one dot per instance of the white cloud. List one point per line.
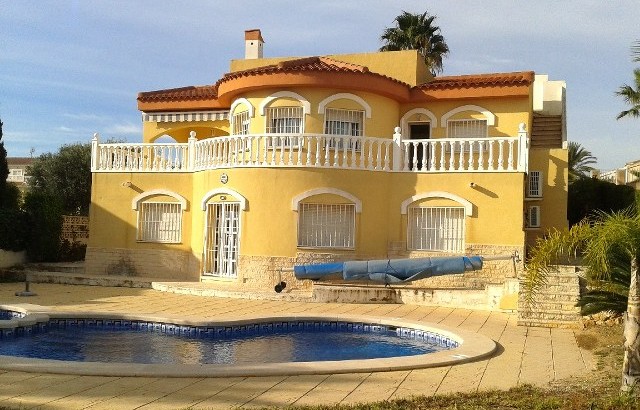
(126, 128)
(87, 117)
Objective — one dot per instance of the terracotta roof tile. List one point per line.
(479, 80)
(192, 93)
(315, 64)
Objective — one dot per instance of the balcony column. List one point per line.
(191, 151)
(523, 148)
(397, 150)
(94, 152)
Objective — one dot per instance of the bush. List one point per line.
(10, 197)
(44, 219)
(588, 195)
(13, 229)
(72, 251)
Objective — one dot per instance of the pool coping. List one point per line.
(472, 347)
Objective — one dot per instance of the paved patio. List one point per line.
(525, 355)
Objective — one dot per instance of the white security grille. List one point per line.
(326, 225)
(222, 232)
(159, 222)
(467, 129)
(348, 123)
(241, 123)
(535, 184)
(436, 228)
(283, 120)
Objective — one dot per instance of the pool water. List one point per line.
(128, 346)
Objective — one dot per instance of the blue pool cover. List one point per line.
(389, 271)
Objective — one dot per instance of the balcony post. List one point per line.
(191, 151)
(523, 148)
(94, 152)
(397, 149)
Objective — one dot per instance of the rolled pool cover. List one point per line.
(389, 270)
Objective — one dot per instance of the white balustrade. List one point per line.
(141, 157)
(494, 154)
(464, 155)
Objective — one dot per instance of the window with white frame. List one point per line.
(346, 123)
(534, 185)
(160, 222)
(241, 123)
(326, 225)
(533, 217)
(284, 120)
(436, 228)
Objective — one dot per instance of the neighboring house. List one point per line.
(18, 171)
(627, 175)
(356, 156)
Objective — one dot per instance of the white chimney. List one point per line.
(253, 44)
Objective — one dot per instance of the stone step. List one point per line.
(63, 267)
(541, 305)
(570, 324)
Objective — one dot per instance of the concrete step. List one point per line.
(88, 280)
(64, 267)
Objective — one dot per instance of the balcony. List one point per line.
(493, 154)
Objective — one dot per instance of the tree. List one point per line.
(417, 32)
(588, 196)
(66, 175)
(602, 243)
(4, 167)
(629, 94)
(580, 161)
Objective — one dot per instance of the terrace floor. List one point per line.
(525, 356)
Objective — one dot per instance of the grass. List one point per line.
(599, 390)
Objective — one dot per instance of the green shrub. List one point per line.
(13, 229)
(588, 195)
(44, 220)
(72, 251)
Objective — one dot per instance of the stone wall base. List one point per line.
(10, 258)
(166, 264)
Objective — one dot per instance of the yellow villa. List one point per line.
(294, 160)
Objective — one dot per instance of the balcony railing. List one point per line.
(494, 154)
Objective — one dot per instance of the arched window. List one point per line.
(328, 222)
(159, 216)
(284, 119)
(436, 221)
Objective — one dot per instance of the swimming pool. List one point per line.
(268, 340)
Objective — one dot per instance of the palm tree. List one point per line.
(417, 32)
(602, 244)
(631, 96)
(580, 161)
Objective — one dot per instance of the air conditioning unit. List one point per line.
(533, 217)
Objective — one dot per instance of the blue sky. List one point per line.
(72, 68)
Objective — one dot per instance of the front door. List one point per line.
(221, 242)
(419, 131)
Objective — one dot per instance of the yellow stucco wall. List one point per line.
(553, 163)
